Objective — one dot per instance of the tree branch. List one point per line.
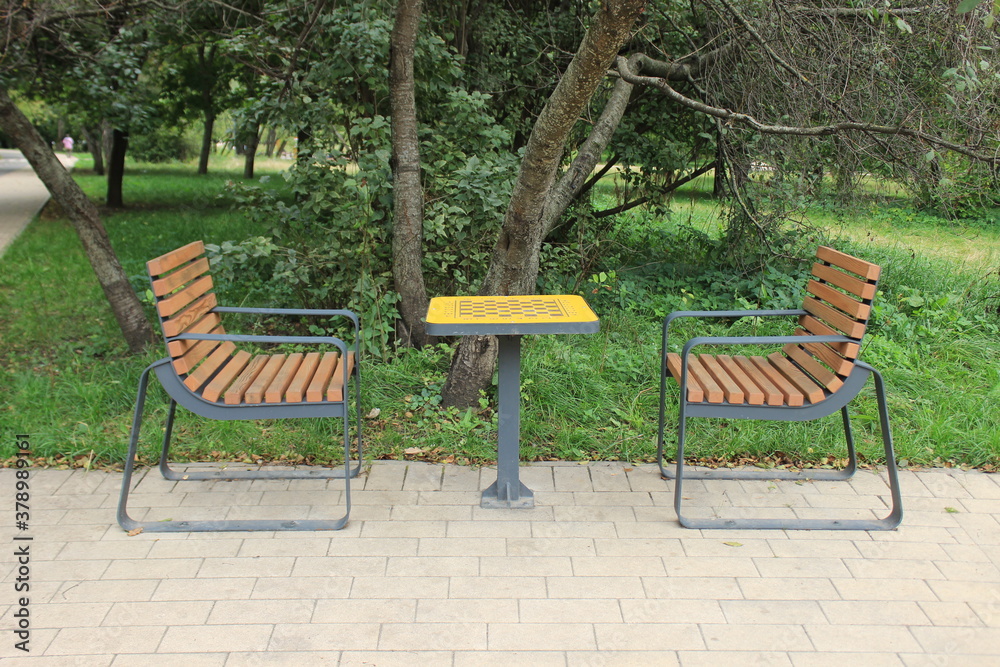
(733, 117)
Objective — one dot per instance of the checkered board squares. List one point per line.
(503, 309)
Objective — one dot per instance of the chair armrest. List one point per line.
(237, 338)
(291, 311)
(758, 340)
(730, 313)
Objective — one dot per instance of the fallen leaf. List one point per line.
(951, 510)
(374, 413)
(413, 451)
(135, 531)
(733, 544)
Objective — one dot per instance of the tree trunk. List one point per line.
(272, 139)
(206, 142)
(407, 190)
(85, 219)
(116, 168)
(253, 138)
(95, 145)
(514, 264)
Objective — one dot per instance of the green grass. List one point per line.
(70, 384)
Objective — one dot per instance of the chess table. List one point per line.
(508, 318)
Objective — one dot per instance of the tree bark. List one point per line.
(514, 264)
(407, 190)
(253, 138)
(96, 148)
(116, 168)
(86, 221)
(206, 141)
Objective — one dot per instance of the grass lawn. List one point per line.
(69, 383)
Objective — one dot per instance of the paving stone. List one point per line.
(470, 610)
(433, 636)
(541, 636)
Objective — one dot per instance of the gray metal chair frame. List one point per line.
(178, 393)
(834, 401)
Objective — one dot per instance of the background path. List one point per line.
(22, 195)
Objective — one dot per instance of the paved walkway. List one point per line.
(22, 193)
(599, 573)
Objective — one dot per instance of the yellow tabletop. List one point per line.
(510, 315)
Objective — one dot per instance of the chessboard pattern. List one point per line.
(508, 309)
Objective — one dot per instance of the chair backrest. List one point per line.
(185, 302)
(839, 303)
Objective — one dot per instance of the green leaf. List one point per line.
(967, 6)
(903, 25)
(930, 155)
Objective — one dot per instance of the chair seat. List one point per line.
(738, 380)
(246, 379)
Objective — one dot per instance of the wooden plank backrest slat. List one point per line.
(818, 371)
(297, 389)
(336, 390)
(817, 328)
(276, 390)
(226, 375)
(172, 304)
(859, 288)
(802, 382)
(834, 318)
(792, 396)
(238, 389)
(168, 284)
(209, 323)
(201, 374)
(824, 353)
(696, 394)
(772, 395)
(839, 300)
(866, 270)
(321, 379)
(173, 259)
(753, 393)
(255, 394)
(732, 392)
(179, 323)
(191, 358)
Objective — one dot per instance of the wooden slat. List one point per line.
(336, 390)
(859, 288)
(696, 393)
(255, 394)
(179, 323)
(172, 304)
(297, 389)
(225, 376)
(175, 258)
(713, 392)
(834, 318)
(818, 371)
(824, 353)
(802, 382)
(187, 362)
(181, 277)
(753, 393)
(209, 323)
(320, 380)
(844, 302)
(866, 270)
(276, 390)
(772, 395)
(817, 328)
(209, 366)
(792, 396)
(238, 389)
(732, 392)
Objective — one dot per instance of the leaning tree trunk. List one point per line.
(85, 219)
(407, 191)
(253, 139)
(514, 264)
(116, 168)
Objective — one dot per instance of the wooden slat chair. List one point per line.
(206, 373)
(816, 373)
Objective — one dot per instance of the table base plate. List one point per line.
(491, 499)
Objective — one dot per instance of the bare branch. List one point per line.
(734, 117)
